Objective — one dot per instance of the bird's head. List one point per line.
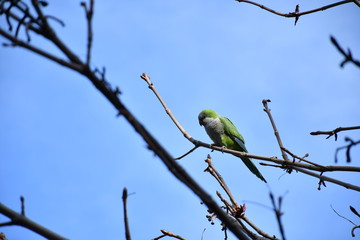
(207, 113)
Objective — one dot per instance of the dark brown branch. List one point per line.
(126, 221)
(347, 55)
(112, 95)
(22, 200)
(335, 131)
(21, 220)
(18, 43)
(278, 214)
(89, 15)
(354, 211)
(353, 230)
(348, 148)
(296, 14)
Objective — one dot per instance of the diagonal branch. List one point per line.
(276, 132)
(112, 95)
(347, 55)
(21, 220)
(236, 210)
(18, 43)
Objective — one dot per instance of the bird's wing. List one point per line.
(233, 133)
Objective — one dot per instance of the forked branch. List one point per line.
(284, 163)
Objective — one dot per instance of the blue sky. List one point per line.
(64, 149)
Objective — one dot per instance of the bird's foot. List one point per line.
(222, 149)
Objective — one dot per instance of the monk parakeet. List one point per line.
(224, 133)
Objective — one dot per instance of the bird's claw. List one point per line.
(222, 149)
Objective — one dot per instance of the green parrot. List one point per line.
(224, 134)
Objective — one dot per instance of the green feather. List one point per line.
(232, 139)
(224, 133)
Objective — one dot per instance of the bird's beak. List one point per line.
(200, 122)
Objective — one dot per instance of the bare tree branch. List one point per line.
(278, 214)
(236, 210)
(348, 148)
(276, 132)
(105, 88)
(355, 225)
(347, 55)
(285, 164)
(126, 221)
(296, 14)
(21, 220)
(335, 131)
(89, 14)
(169, 234)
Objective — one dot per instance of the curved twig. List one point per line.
(296, 14)
(187, 153)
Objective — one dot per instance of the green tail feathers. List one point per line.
(251, 166)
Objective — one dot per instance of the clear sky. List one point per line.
(63, 148)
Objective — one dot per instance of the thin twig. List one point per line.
(145, 77)
(238, 211)
(89, 15)
(353, 230)
(126, 221)
(348, 148)
(295, 14)
(228, 206)
(278, 214)
(22, 200)
(16, 42)
(335, 131)
(256, 228)
(342, 216)
(187, 153)
(302, 158)
(169, 234)
(347, 55)
(276, 132)
(212, 170)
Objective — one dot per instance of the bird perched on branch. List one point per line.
(224, 134)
